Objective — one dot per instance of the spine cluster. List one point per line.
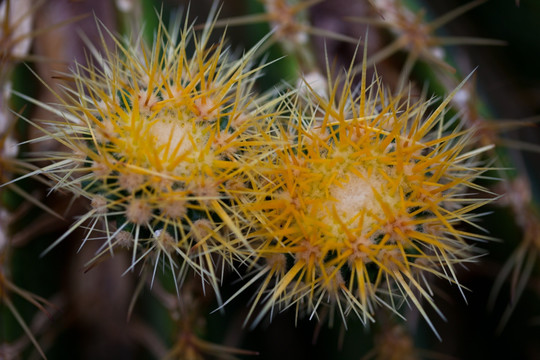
(337, 198)
(347, 198)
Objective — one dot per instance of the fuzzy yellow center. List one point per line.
(354, 196)
(172, 137)
(357, 196)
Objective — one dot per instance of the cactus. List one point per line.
(225, 200)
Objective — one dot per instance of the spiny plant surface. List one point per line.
(364, 203)
(154, 138)
(342, 201)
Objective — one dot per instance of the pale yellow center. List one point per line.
(172, 137)
(353, 197)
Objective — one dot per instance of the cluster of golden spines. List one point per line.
(347, 204)
(356, 210)
(160, 135)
